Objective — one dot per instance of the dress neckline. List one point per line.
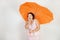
(33, 22)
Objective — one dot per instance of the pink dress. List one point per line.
(35, 35)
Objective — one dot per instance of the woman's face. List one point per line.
(30, 17)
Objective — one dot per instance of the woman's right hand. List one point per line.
(27, 25)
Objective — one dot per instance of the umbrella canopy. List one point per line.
(42, 14)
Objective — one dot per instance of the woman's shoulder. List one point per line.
(35, 20)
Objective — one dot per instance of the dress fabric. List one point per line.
(35, 35)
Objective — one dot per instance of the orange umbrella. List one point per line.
(42, 14)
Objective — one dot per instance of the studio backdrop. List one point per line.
(13, 16)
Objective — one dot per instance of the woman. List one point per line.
(32, 25)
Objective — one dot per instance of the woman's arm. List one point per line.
(37, 26)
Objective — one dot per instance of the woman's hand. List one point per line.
(26, 25)
(31, 31)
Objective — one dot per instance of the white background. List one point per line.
(12, 24)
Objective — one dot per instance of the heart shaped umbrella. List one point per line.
(42, 14)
